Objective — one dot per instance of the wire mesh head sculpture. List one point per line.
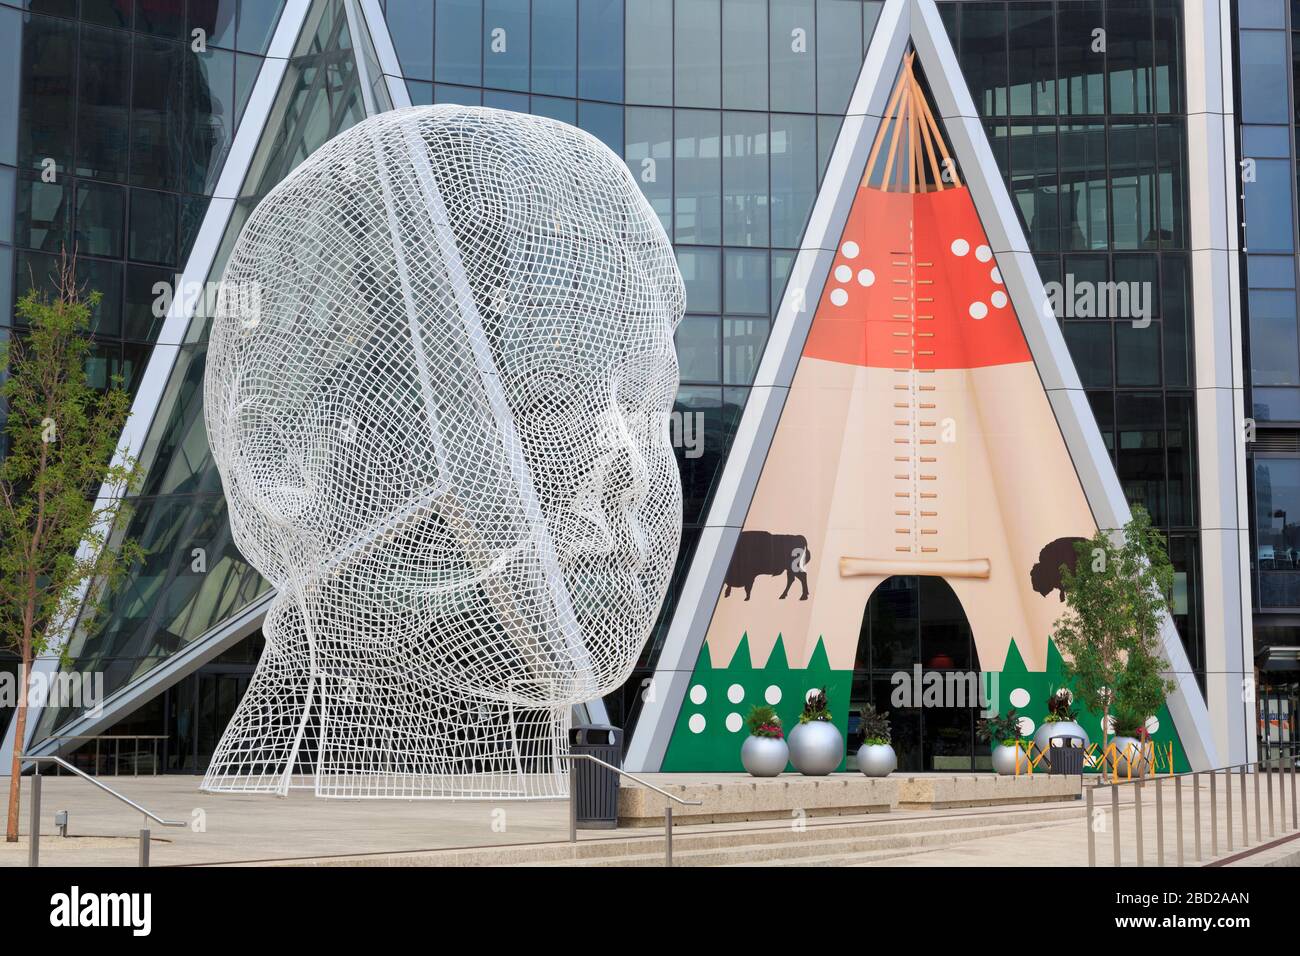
(437, 390)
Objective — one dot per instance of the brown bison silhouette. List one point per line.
(1046, 574)
(760, 552)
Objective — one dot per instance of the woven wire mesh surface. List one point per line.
(437, 390)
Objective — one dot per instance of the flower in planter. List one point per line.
(816, 707)
(875, 727)
(763, 722)
(1004, 730)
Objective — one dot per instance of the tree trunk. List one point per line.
(15, 779)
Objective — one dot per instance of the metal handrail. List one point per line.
(34, 850)
(1265, 765)
(668, 809)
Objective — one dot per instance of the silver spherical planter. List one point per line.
(816, 748)
(764, 756)
(1004, 760)
(1128, 759)
(1061, 729)
(877, 760)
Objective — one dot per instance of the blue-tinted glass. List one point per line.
(1089, 344)
(699, 349)
(782, 263)
(1169, 55)
(1266, 142)
(1267, 14)
(1033, 58)
(6, 206)
(156, 112)
(41, 218)
(555, 47)
(745, 282)
(505, 44)
(1176, 312)
(1080, 59)
(1137, 354)
(1083, 187)
(701, 273)
(96, 275)
(600, 49)
(793, 149)
(1264, 68)
(514, 102)
(1274, 343)
(744, 54)
(983, 55)
(1129, 55)
(1277, 513)
(209, 125)
(10, 61)
(46, 112)
(153, 227)
(649, 53)
(566, 111)
(1034, 183)
(421, 93)
(164, 18)
(697, 208)
(410, 23)
(193, 209)
(1269, 226)
(100, 219)
(1140, 456)
(465, 96)
(839, 52)
(1171, 183)
(1132, 167)
(700, 469)
(1270, 272)
(109, 13)
(742, 349)
(246, 70)
(144, 286)
(458, 42)
(793, 50)
(217, 19)
(744, 179)
(649, 154)
(102, 115)
(828, 133)
(6, 287)
(257, 20)
(604, 121)
(1275, 404)
(697, 53)
(1180, 437)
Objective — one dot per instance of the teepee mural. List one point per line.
(916, 439)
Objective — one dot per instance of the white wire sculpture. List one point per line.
(438, 389)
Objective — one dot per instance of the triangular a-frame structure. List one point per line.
(916, 412)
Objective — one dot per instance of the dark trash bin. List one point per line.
(594, 789)
(1065, 760)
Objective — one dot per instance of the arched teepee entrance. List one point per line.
(917, 663)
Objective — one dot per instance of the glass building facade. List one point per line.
(726, 112)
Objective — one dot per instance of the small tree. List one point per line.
(1109, 635)
(62, 441)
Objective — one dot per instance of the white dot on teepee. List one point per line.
(850, 250)
(866, 277)
(978, 310)
(996, 275)
(960, 247)
(983, 253)
(843, 273)
(999, 299)
(839, 297)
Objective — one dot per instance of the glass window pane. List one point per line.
(458, 41)
(153, 227)
(96, 275)
(1275, 404)
(1269, 226)
(745, 282)
(1180, 431)
(1171, 184)
(164, 19)
(1034, 184)
(1277, 513)
(257, 20)
(218, 20)
(1140, 459)
(1174, 298)
(1269, 14)
(600, 49)
(828, 132)
(102, 115)
(983, 55)
(1169, 56)
(566, 111)
(1132, 187)
(742, 348)
(1033, 58)
(410, 22)
(1266, 141)
(100, 219)
(782, 263)
(701, 274)
(1263, 69)
(1129, 55)
(210, 121)
(1137, 354)
(744, 54)
(143, 289)
(793, 149)
(46, 111)
(649, 51)
(839, 52)
(744, 179)
(699, 349)
(1083, 187)
(42, 217)
(156, 113)
(697, 53)
(793, 55)
(109, 13)
(555, 47)
(697, 209)
(1079, 88)
(1271, 272)
(1274, 344)
(604, 121)
(11, 33)
(467, 96)
(1090, 348)
(505, 44)
(649, 154)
